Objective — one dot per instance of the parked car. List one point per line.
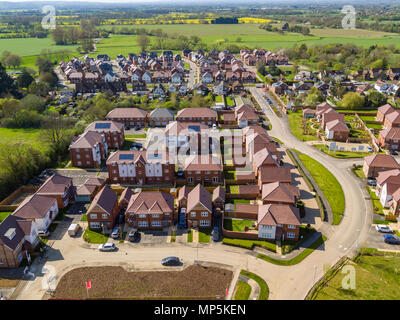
(127, 128)
(171, 261)
(372, 182)
(215, 234)
(134, 236)
(383, 228)
(107, 247)
(43, 234)
(115, 233)
(393, 153)
(179, 173)
(137, 128)
(73, 229)
(391, 239)
(214, 126)
(370, 149)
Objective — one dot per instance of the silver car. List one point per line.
(107, 247)
(383, 228)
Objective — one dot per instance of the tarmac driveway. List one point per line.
(374, 240)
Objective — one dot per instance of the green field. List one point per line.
(24, 136)
(237, 224)
(328, 184)
(251, 35)
(376, 279)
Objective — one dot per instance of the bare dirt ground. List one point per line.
(117, 283)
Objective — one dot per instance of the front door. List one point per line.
(195, 224)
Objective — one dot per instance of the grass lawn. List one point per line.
(376, 203)
(229, 101)
(137, 136)
(358, 171)
(374, 126)
(232, 189)
(341, 154)
(31, 137)
(94, 237)
(296, 126)
(243, 291)
(264, 290)
(368, 118)
(218, 99)
(249, 244)
(4, 215)
(328, 184)
(190, 236)
(237, 224)
(376, 279)
(297, 259)
(204, 235)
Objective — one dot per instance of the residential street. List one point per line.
(285, 282)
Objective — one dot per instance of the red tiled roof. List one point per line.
(199, 195)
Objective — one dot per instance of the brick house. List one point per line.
(389, 138)
(140, 167)
(279, 222)
(160, 117)
(87, 191)
(264, 158)
(150, 210)
(88, 150)
(59, 187)
(199, 208)
(130, 117)
(187, 134)
(40, 209)
(245, 115)
(203, 169)
(377, 163)
(18, 236)
(103, 211)
(273, 174)
(183, 196)
(218, 198)
(203, 115)
(280, 193)
(392, 120)
(125, 198)
(113, 132)
(337, 130)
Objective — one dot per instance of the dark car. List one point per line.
(391, 239)
(394, 153)
(171, 261)
(134, 236)
(137, 128)
(127, 128)
(372, 182)
(179, 173)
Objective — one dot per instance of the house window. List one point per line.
(190, 180)
(95, 225)
(104, 216)
(142, 216)
(291, 235)
(156, 223)
(142, 224)
(166, 213)
(215, 179)
(204, 214)
(193, 214)
(20, 257)
(291, 226)
(204, 223)
(156, 215)
(93, 216)
(78, 156)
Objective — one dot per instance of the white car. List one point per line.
(383, 228)
(43, 234)
(107, 247)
